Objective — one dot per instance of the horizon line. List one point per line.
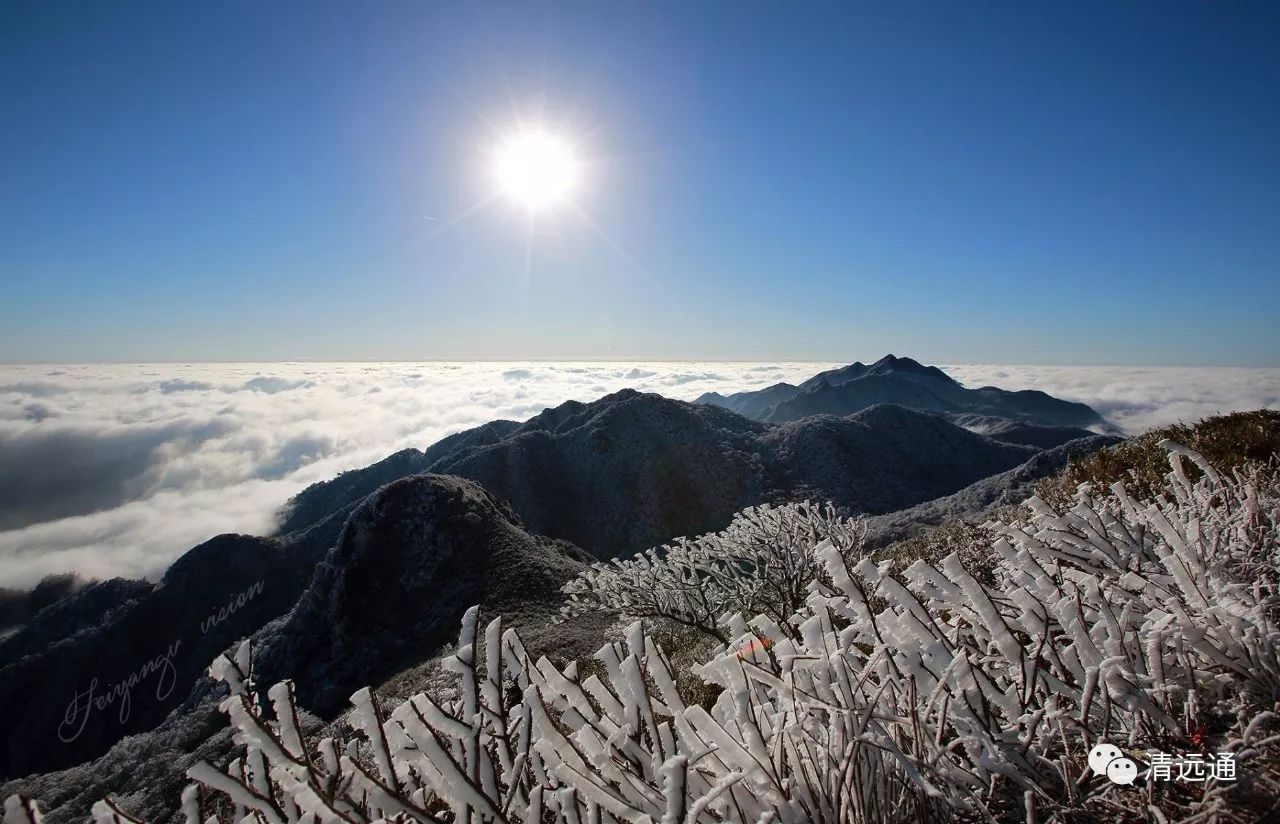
(288, 361)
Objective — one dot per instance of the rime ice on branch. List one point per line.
(764, 562)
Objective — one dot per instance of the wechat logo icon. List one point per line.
(1105, 759)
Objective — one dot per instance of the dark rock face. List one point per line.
(412, 558)
(905, 382)
(162, 636)
(631, 471)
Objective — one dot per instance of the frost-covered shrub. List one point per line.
(1138, 623)
(929, 697)
(763, 562)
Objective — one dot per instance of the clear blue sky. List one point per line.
(1017, 182)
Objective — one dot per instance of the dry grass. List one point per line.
(1225, 440)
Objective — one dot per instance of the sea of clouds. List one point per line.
(112, 470)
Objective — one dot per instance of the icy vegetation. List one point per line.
(943, 693)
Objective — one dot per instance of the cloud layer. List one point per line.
(1138, 398)
(117, 470)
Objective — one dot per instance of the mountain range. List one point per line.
(907, 383)
(633, 470)
(368, 573)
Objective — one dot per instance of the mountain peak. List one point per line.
(906, 382)
(905, 365)
(889, 366)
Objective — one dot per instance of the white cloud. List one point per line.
(117, 470)
(1138, 398)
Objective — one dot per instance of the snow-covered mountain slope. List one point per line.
(86, 648)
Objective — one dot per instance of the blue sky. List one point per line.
(1000, 182)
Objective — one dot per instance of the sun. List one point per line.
(536, 169)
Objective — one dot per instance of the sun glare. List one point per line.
(536, 170)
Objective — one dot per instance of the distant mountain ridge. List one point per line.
(631, 470)
(904, 382)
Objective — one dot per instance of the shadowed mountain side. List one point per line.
(87, 607)
(631, 471)
(624, 473)
(905, 382)
(86, 648)
(17, 606)
(410, 560)
(882, 459)
(1028, 434)
(825, 398)
(148, 768)
(752, 405)
(978, 500)
(888, 365)
(330, 497)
